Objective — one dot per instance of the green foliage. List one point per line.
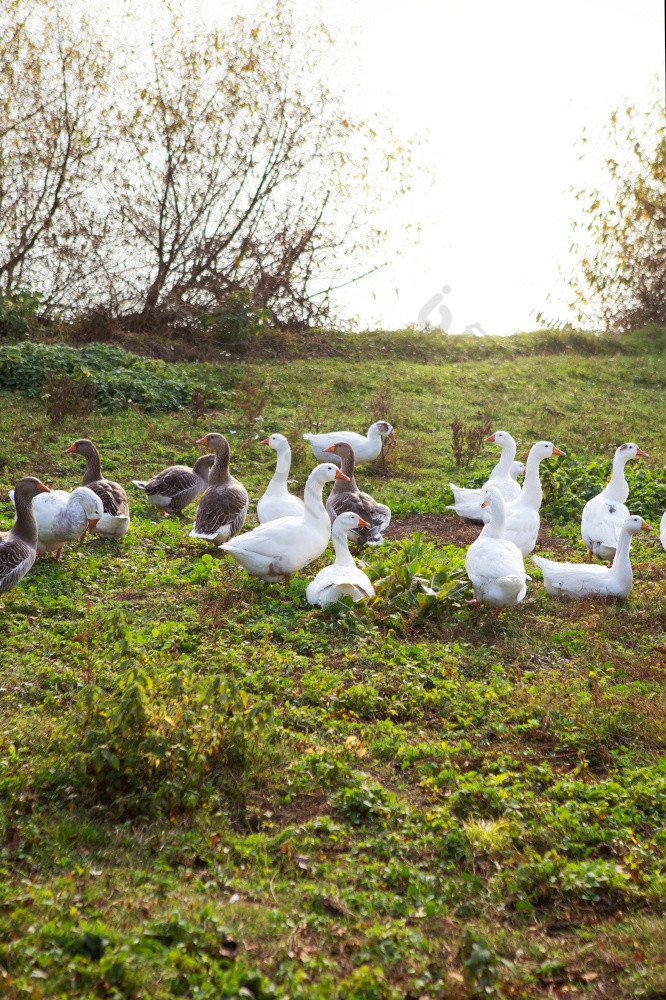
(18, 315)
(159, 741)
(115, 377)
(411, 582)
(571, 481)
(412, 770)
(236, 320)
(479, 965)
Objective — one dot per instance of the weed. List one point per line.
(467, 442)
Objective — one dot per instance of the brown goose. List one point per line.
(174, 488)
(346, 496)
(223, 507)
(18, 546)
(115, 521)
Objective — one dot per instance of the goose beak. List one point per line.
(362, 523)
(92, 524)
(265, 441)
(41, 488)
(331, 447)
(72, 447)
(391, 437)
(485, 503)
(339, 474)
(202, 441)
(558, 451)
(645, 526)
(641, 454)
(490, 440)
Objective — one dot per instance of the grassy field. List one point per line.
(209, 790)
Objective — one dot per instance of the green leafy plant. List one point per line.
(412, 582)
(18, 315)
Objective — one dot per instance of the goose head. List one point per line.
(635, 523)
(630, 450)
(27, 488)
(277, 442)
(503, 439)
(82, 447)
(383, 428)
(91, 504)
(203, 465)
(517, 469)
(545, 449)
(326, 473)
(348, 522)
(492, 500)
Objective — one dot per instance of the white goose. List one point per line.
(522, 515)
(604, 514)
(494, 564)
(343, 578)
(578, 581)
(277, 501)
(366, 447)
(279, 548)
(467, 502)
(63, 517)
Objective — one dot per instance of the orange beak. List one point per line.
(490, 440)
(646, 527)
(339, 474)
(641, 454)
(72, 447)
(203, 440)
(558, 451)
(42, 489)
(485, 503)
(362, 523)
(92, 524)
(265, 441)
(330, 448)
(391, 437)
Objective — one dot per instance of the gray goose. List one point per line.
(115, 521)
(223, 507)
(18, 546)
(346, 496)
(174, 488)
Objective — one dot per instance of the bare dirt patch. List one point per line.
(453, 530)
(447, 528)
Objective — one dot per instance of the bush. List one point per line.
(18, 315)
(412, 583)
(159, 742)
(116, 377)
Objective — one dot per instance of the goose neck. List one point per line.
(312, 498)
(618, 488)
(503, 467)
(532, 494)
(93, 471)
(25, 525)
(621, 568)
(282, 467)
(496, 526)
(343, 556)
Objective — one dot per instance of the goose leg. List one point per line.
(58, 554)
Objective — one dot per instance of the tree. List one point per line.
(622, 275)
(233, 173)
(52, 70)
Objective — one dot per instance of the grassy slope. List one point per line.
(410, 783)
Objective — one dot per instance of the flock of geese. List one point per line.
(292, 532)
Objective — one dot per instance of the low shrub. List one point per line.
(18, 315)
(116, 377)
(412, 583)
(163, 741)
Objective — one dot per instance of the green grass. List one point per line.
(208, 789)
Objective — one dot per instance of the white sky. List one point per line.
(498, 95)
